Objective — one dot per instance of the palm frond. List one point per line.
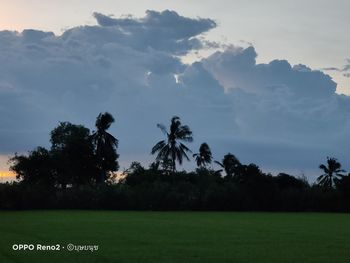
(184, 150)
(179, 155)
(321, 177)
(324, 168)
(104, 121)
(159, 145)
(162, 128)
(219, 163)
(185, 147)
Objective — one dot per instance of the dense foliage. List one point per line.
(79, 171)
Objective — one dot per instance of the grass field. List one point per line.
(176, 236)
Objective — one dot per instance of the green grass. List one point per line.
(177, 236)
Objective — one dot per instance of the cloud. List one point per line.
(237, 68)
(331, 69)
(277, 115)
(166, 31)
(277, 94)
(277, 104)
(345, 70)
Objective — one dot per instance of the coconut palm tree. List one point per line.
(332, 173)
(172, 147)
(105, 146)
(231, 165)
(204, 156)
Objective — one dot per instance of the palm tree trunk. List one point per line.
(174, 165)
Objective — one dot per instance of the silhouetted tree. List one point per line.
(343, 185)
(73, 154)
(231, 165)
(77, 158)
(204, 157)
(332, 173)
(105, 147)
(34, 169)
(154, 166)
(172, 148)
(249, 174)
(135, 167)
(286, 181)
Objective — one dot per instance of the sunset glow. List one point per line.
(7, 176)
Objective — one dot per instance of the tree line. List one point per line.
(79, 171)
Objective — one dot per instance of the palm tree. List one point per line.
(231, 165)
(172, 149)
(332, 173)
(105, 146)
(204, 156)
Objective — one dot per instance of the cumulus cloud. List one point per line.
(268, 96)
(275, 114)
(167, 30)
(237, 68)
(291, 112)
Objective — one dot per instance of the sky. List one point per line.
(268, 82)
